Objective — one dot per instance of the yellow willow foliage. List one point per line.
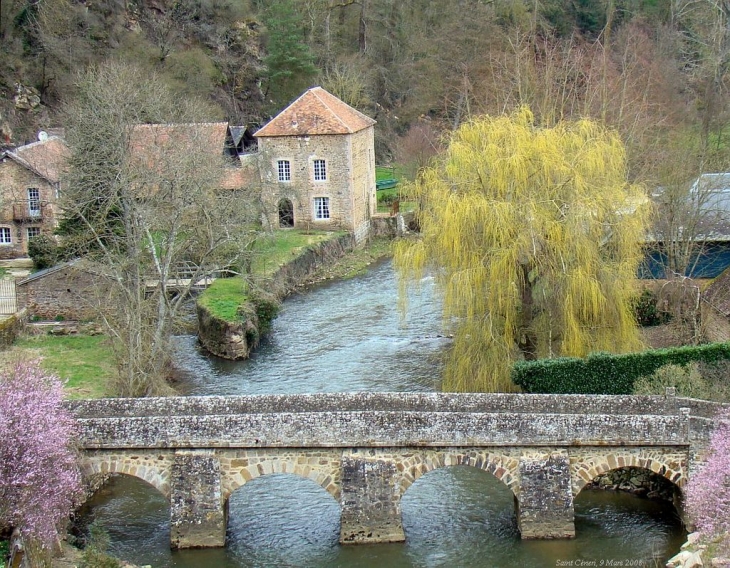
(533, 235)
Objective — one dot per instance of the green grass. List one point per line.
(83, 361)
(274, 250)
(396, 171)
(225, 295)
(387, 196)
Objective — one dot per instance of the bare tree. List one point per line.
(140, 201)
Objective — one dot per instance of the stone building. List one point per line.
(72, 290)
(317, 166)
(29, 186)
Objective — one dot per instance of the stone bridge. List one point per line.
(367, 449)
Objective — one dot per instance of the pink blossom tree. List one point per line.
(708, 492)
(40, 481)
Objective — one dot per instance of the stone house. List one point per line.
(64, 291)
(316, 162)
(29, 188)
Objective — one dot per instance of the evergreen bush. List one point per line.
(605, 373)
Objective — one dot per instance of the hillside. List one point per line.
(654, 70)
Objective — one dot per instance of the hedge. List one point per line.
(604, 373)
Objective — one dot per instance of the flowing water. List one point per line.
(348, 336)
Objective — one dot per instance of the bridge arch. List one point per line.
(671, 467)
(324, 470)
(157, 475)
(503, 467)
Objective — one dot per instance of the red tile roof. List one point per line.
(150, 140)
(316, 112)
(46, 158)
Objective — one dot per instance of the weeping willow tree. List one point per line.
(533, 235)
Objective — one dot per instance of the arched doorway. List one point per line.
(286, 214)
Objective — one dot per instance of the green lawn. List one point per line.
(271, 251)
(224, 296)
(83, 361)
(387, 196)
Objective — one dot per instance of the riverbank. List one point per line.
(234, 316)
(79, 354)
(354, 263)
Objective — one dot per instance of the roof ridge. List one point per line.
(33, 144)
(151, 124)
(329, 108)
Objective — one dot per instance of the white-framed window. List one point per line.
(32, 232)
(283, 168)
(321, 208)
(320, 170)
(5, 236)
(34, 202)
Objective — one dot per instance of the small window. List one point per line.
(5, 238)
(284, 170)
(33, 232)
(320, 170)
(34, 201)
(321, 208)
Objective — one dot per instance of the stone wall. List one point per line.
(63, 291)
(427, 402)
(235, 340)
(10, 328)
(367, 449)
(302, 189)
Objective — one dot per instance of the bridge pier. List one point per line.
(545, 507)
(370, 501)
(197, 517)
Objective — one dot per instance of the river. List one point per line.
(348, 336)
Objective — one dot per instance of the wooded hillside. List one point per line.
(655, 70)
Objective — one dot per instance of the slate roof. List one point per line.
(316, 112)
(711, 194)
(45, 158)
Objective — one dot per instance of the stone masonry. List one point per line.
(367, 449)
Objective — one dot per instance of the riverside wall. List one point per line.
(236, 340)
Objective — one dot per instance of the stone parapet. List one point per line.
(379, 429)
(367, 449)
(619, 405)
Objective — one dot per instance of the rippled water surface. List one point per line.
(348, 336)
(456, 516)
(343, 336)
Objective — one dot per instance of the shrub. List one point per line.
(646, 312)
(687, 380)
(39, 478)
(604, 373)
(44, 252)
(95, 553)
